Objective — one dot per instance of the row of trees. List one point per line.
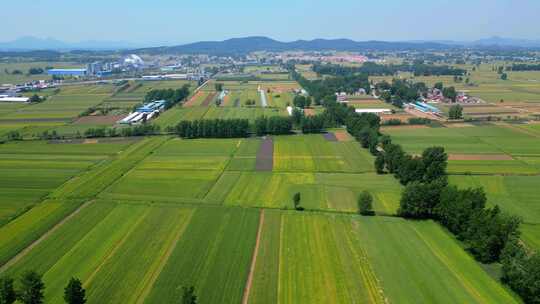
(488, 233)
(312, 124)
(213, 128)
(523, 67)
(140, 130)
(170, 95)
(274, 125)
(31, 290)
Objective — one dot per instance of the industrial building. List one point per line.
(424, 108)
(374, 111)
(145, 112)
(67, 72)
(5, 98)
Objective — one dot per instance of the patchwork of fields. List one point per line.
(190, 210)
(137, 219)
(329, 175)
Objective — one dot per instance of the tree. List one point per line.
(7, 291)
(450, 93)
(188, 295)
(419, 200)
(456, 112)
(31, 290)
(439, 85)
(435, 162)
(74, 293)
(365, 203)
(504, 76)
(35, 99)
(297, 116)
(296, 201)
(379, 163)
(219, 87)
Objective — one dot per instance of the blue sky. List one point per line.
(181, 21)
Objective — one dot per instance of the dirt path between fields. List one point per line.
(479, 157)
(209, 99)
(32, 245)
(249, 282)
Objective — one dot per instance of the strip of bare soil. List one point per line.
(249, 282)
(265, 156)
(479, 157)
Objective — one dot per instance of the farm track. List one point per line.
(209, 99)
(44, 236)
(247, 289)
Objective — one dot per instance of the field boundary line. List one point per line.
(249, 282)
(223, 171)
(133, 166)
(44, 236)
(115, 249)
(164, 259)
(520, 130)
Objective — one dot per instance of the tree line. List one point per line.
(523, 67)
(140, 130)
(213, 128)
(374, 69)
(171, 96)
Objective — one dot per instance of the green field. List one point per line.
(522, 148)
(365, 260)
(221, 172)
(32, 170)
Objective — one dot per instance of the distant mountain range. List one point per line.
(32, 43)
(251, 44)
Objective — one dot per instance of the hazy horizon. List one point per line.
(170, 22)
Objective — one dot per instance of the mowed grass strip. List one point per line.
(418, 262)
(214, 255)
(125, 275)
